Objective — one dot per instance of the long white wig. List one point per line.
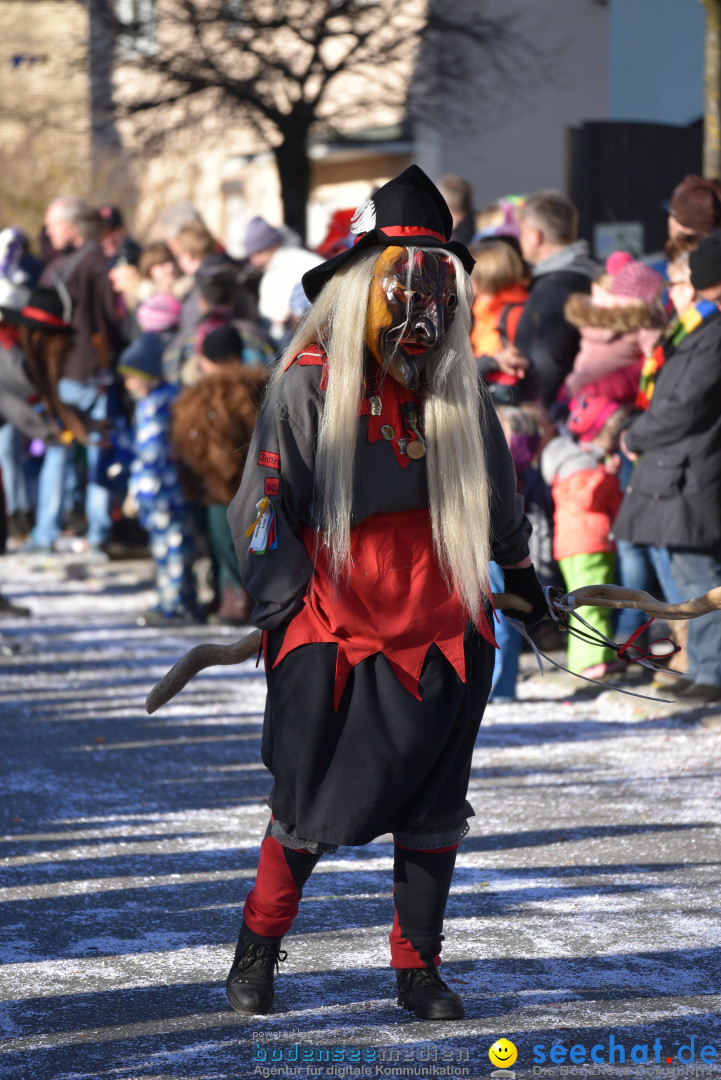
(459, 489)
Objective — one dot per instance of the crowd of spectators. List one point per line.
(608, 383)
(131, 375)
(102, 342)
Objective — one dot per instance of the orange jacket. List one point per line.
(487, 311)
(586, 504)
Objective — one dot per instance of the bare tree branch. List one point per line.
(296, 68)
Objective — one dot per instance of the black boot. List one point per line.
(250, 982)
(423, 991)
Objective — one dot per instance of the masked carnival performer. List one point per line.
(378, 486)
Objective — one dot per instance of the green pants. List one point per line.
(581, 570)
(221, 545)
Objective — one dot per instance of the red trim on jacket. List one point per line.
(313, 356)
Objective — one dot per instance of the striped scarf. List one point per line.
(672, 337)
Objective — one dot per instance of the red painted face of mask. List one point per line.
(412, 305)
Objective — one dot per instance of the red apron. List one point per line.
(395, 602)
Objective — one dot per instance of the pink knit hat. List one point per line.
(158, 313)
(637, 281)
(588, 415)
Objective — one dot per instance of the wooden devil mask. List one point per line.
(412, 305)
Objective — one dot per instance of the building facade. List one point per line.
(590, 61)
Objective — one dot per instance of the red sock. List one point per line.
(272, 903)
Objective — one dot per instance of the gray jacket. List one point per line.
(16, 390)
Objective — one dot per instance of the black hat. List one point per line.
(222, 344)
(144, 356)
(47, 309)
(112, 217)
(407, 210)
(127, 254)
(705, 262)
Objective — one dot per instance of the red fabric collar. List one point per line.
(313, 356)
(380, 385)
(392, 398)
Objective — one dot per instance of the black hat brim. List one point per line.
(314, 280)
(15, 317)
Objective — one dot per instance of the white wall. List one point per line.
(520, 146)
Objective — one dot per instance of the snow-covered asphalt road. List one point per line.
(584, 912)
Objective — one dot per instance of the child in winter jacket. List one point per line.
(500, 290)
(622, 330)
(586, 497)
(211, 429)
(154, 492)
(620, 323)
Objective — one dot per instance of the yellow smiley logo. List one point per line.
(503, 1053)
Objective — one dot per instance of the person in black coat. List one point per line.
(560, 266)
(674, 495)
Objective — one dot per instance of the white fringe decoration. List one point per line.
(364, 219)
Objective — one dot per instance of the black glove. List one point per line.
(525, 584)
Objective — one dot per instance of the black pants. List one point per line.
(421, 883)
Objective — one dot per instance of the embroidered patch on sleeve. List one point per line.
(272, 485)
(269, 460)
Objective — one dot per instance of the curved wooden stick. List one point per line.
(608, 596)
(208, 655)
(202, 656)
(616, 596)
